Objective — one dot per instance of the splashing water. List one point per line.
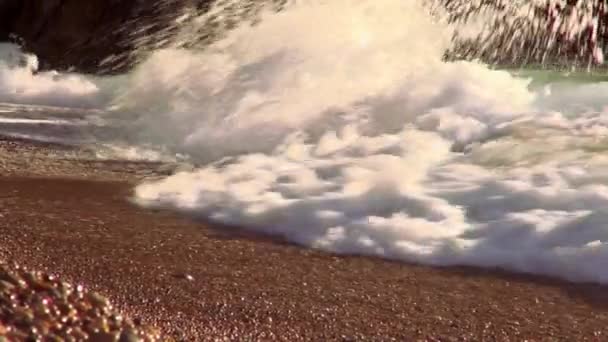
(523, 32)
(355, 136)
(550, 33)
(21, 83)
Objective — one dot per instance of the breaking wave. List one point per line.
(22, 83)
(354, 136)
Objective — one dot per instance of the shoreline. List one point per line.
(195, 281)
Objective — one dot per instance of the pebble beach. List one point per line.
(143, 275)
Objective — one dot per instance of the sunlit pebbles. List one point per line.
(35, 306)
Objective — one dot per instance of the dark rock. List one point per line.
(90, 36)
(8, 13)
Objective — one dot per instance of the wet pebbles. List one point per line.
(38, 307)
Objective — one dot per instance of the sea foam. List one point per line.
(21, 82)
(338, 126)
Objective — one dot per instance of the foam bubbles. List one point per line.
(353, 136)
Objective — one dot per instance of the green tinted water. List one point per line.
(540, 77)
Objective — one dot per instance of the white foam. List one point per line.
(22, 83)
(55, 122)
(353, 136)
(113, 151)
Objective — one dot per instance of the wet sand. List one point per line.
(196, 281)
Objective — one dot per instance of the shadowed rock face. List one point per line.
(8, 10)
(65, 33)
(90, 36)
